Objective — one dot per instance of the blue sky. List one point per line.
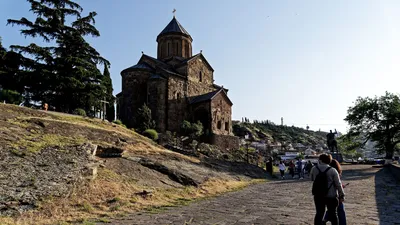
(305, 61)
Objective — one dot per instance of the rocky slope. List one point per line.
(57, 167)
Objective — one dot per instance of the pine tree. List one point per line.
(64, 74)
(143, 119)
(10, 82)
(107, 83)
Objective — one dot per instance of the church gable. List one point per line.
(221, 111)
(198, 70)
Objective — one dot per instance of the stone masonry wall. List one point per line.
(177, 103)
(200, 78)
(134, 94)
(225, 142)
(221, 113)
(157, 102)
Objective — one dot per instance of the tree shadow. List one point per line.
(237, 168)
(387, 196)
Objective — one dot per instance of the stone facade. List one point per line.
(225, 142)
(176, 86)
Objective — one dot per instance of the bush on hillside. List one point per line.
(150, 133)
(79, 111)
(118, 122)
(143, 120)
(193, 130)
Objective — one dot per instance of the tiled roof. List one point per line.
(205, 97)
(156, 76)
(139, 66)
(174, 27)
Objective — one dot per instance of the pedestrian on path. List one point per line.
(282, 169)
(291, 168)
(300, 169)
(327, 187)
(340, 210)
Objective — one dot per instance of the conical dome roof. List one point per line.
(174, 27)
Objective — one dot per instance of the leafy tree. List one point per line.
(377, 119)
(107, 82)
(143, 120)
(64, 73)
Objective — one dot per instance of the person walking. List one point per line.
(340, 210)
(300, 169)
(327, 190)
(291, 168)
(282, 169)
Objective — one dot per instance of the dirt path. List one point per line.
(373, 197)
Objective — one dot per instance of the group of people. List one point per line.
(299, 167)
(330, 195)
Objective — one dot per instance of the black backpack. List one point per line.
(320, 186)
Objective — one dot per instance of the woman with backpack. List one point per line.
(327, 190)
(340, 210)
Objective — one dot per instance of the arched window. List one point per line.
(227, 126)
(178, 97)
(176, 48)
(187, 49)
(200, 76)
(169, 49)
(219, 124)
(163, 50)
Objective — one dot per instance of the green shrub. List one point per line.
(79, 111)
(150, 133)
(118, 122)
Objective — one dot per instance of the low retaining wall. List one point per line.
(395, 170)
(224, 142)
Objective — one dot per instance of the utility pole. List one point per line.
(104, 107)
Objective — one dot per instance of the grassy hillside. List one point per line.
(276, 133)
(53, 170)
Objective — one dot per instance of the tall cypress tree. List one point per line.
(107, 83)
(64, 74)
(9, 68)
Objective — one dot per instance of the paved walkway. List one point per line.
(373, 197)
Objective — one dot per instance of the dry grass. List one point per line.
(112, 195)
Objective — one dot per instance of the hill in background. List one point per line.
(285, 135)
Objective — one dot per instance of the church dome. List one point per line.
(174, 27)
(174, 40)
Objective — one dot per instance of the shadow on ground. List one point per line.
(237, 168)
(387, 194)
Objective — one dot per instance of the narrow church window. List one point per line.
(227, 126)
(168, 49)
(200, 76)
(176, 48)
(178, 97)
(219, 125)
(187, 50)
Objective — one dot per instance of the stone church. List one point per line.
(176, 86)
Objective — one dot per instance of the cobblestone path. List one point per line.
(373, 197)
